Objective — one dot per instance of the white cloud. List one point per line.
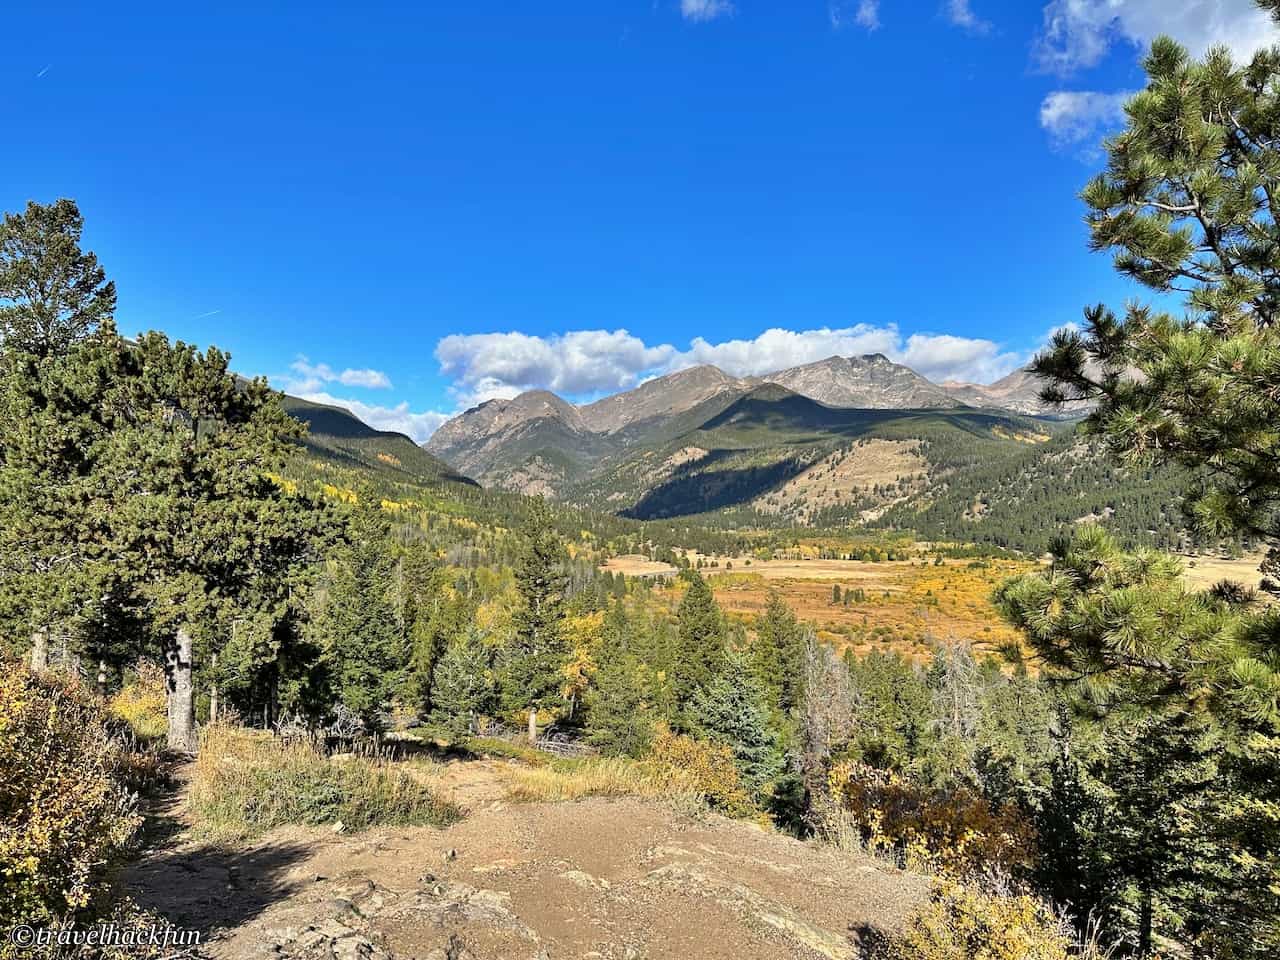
(487, 365)
(1078, 33)
(370, 379)
(866, 14)
(777, 349)
(591, 362)
(961, 14)
(700, 11)
(1078, 116)
(399, 418)
(308, 377)
(938, 357)
(942, 357)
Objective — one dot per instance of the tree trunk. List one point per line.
(182, 712)
(533, 727)
(213, 703)
(39, 650)
(213, 693)
(1145, 922)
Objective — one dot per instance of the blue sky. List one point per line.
(412, 207)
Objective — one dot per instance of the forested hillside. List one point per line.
(1022, 502)
(335, 434)
(772, 435)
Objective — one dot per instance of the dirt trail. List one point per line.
(617, 879)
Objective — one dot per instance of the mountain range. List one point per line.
(752, 452)
(540, 443)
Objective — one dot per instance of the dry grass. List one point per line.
(634, 565)
(807, 568)
(689, 774)
(597, 777)
(1202, 572)
(846, 476)
(246, 782)
(903, 604)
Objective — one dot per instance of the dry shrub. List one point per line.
(141, 702)
(955, 832)
(962, 923)
(65, 815)
(684, 765)
(246, 782)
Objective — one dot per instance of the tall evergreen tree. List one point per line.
(1186, 733)
(201, 532)
(620, 705)
(730, 709)
(777, 655)
(536, 655)
(136, 476)
(55, 563)
(700, 644)
(364, 649)
(462, 684)
(433, 615)
(54, 297)
(1187, 204)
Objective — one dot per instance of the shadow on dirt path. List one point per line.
(198, 884)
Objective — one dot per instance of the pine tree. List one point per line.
(135, 477)
(1074, 868)
(364, 650)
(1187, 735)
(55, 566)
(777, 654)
(462, 684)
(52, 293)
(700, 644)
(621, 712)
(54, 298)
(1187, 204)
(433, 615)
(533, 661)
(620, 715)
(730, 710)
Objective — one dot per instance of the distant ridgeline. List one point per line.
(764, 457)
(337, 435)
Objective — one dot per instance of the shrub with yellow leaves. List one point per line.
(698, 766)
(141, 702)
(963, 923)
(64, 814)
(955, 832)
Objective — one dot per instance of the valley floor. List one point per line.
(621, 879)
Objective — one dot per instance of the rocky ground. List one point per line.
(621, 879)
